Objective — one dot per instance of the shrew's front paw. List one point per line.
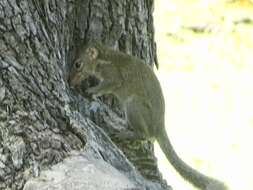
(92, 90)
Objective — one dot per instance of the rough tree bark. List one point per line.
(42, 121)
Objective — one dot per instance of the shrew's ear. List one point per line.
(92, 53)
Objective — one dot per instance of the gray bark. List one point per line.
(41, 120)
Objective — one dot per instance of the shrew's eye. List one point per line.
(78, 64)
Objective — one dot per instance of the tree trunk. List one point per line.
(41, 120)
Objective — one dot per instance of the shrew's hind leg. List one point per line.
(138, 115)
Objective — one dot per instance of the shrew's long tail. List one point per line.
(199, 180)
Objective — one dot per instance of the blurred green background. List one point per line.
(205, 52)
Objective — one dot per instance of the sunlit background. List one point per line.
(205, 52)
